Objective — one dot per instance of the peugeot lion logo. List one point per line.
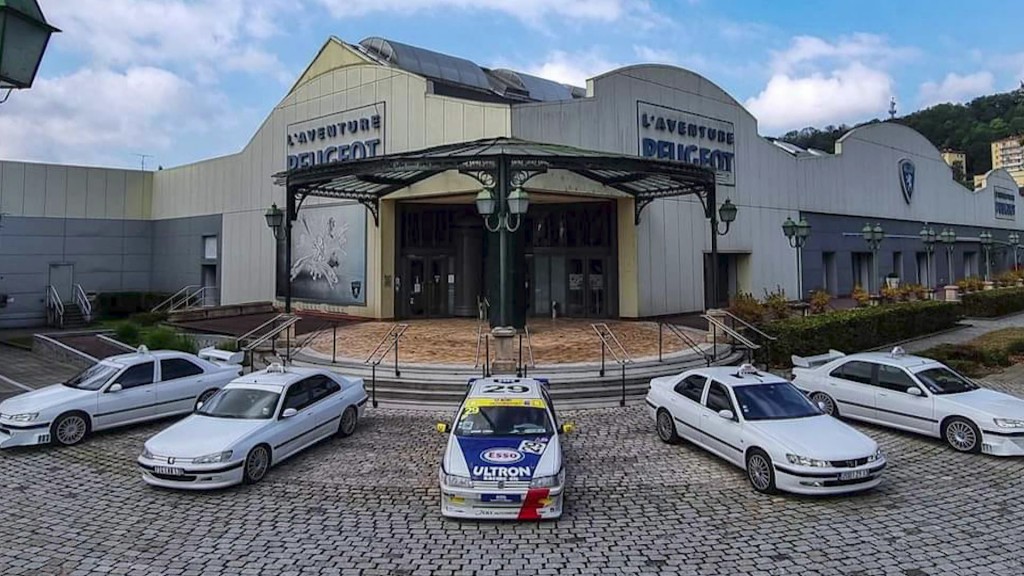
(907, 179)
(170, 460)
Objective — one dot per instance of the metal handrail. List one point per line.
(53, 302)
(189, 299)
(690, 342)
(288, 323)
(746, 342)
(529, 346)
(374, 359)
(759, 332)
(170, 299)
(607, 338)
(82, 300)
(248, 334)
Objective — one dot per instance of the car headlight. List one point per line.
(805, 461)
(213, 458)
(546, 481)
(146, 453)
(27, 417)
(876, 456)
(456, 481)
(1008, 422)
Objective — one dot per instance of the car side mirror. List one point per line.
(914, 391)
(727, 414)
(115, 388)
(567, 428)
(442, 427)
(289, 412)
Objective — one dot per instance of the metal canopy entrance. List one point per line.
(369, 180)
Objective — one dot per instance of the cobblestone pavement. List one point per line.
(369, 505)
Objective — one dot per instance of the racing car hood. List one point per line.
(990, 402)
(199, 435)
(503, 457)
(821, 437)
(42, 399)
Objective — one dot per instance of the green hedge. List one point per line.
(121, 304)
(859, 328)
(990, 303)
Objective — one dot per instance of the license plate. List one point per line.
(169, 471)
(501, 498)
(853, 475)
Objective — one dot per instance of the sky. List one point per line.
(186, 80)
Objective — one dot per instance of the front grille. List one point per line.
(849, 463)
(174, 478)
(508, 485)
(831, 483)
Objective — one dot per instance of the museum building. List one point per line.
(589, 245)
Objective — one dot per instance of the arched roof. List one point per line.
(891, 134)
(697, 82)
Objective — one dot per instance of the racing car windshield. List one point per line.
(93, 377)
(773, 401)
(243, 403)
(503, 421)
(945, 381)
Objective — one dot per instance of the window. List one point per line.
(942, 380)
(897, 264)
(297, 397)
(895, 379)
(138, 375)
(854, 372)
(174, 368)
(691, 387)
(321, 387)
(551, 406)
(210, 247)
(718, 398)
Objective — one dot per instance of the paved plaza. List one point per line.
(369, 505)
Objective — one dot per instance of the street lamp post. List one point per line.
(986, 247)
(282, 231)
(948, 238)
(873, 235)
(929, 237)
(797, 234)
(727, 215)
(24, 34)
(1014, 241)
(508, 210)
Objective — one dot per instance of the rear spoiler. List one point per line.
(814, 361)
(214, 354)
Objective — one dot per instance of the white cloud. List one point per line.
(571, 68)
(841, 96)
(94, 116)
(530, 11)
(807, 53)
(956, 88)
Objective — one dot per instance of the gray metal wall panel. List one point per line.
(178, 250)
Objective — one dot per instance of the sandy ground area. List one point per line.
(453, 341)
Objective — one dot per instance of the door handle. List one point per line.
(882, 394)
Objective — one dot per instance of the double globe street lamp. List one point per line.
(275, 221)
(726, 215)
(873, 235)
(797, 233)
(948, 238)
(1014, 240)
(929, 237)
(986, 247)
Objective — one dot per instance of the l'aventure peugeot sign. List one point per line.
(348, 135)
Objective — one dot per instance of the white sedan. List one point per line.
(784, 442)
(255, 422)
(117, 391)
(915, 394)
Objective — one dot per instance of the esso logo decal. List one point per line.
(501, 456)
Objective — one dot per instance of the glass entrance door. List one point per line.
(426, 287)
(587, 288)
(437, 287)
(412, 288)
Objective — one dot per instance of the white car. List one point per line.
(503, 459)
(784, 442)
(255, 422)
(915, 394)
(116, 391)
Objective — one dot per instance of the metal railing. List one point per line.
(717, 325)
(54, 307)
(482, 307)
(307, 339)
(82, 301)
(380, 351)
(522, 369)
(170, 300)
(765, 339)
(618, 352)
(268, 331)
(686, 339)
(188, 298)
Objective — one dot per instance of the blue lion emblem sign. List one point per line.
(907, 179)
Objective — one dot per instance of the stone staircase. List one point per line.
(73, 317)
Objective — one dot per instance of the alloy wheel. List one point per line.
(665, 427)
(71, 430)
(256, 464)
(760, 472)
(348, 422)
(828, 405)
(961, 436)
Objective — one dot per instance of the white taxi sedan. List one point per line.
(761, 422)
(915, 394)
(255, 422)
(117, 391)
(503, 459)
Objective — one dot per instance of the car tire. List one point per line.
(962, 435)
(666, 427)
(760, 472)
(69, 429)
(257, 463)
(830, 405)
(349, 420)
(205, 397)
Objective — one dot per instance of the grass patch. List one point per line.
(983, 355)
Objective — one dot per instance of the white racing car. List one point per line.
(761, 422)
(915, 394)
(255, 422)
(117, 391)
(503, 459)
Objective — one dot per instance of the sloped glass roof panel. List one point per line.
(539, 88)
(428, 63)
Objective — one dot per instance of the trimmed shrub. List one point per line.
(128, 332)
(163, 338)
(746, 307)
(820, 301)
(1016, 347)
(991, 303)
(232, 345)
(858, 329)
